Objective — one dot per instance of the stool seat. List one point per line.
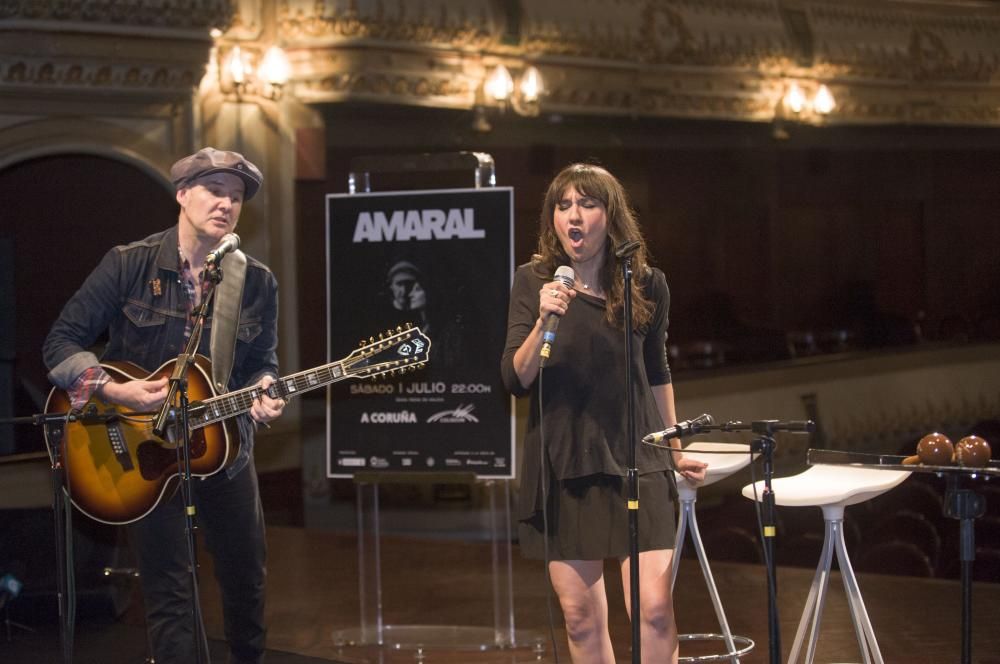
(829, 485)
(831, 488)
(720, 466)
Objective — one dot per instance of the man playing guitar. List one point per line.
(144, 294)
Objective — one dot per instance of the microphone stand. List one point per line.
(178, 387)
(54, 428)
(765, 444)
(624, 252)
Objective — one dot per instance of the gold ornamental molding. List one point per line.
(882, 61)
(821, 61)
(139, 48)
(166, 16)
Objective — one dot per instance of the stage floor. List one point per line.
(313, 593)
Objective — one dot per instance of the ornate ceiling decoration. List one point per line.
(884, 61)
(910, 61)
(140, 48)
(173, 15)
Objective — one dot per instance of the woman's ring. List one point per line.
(554, 293)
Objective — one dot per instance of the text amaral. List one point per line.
(405, 225)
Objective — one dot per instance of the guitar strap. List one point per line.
(226, 318)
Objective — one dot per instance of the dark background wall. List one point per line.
(885, 233)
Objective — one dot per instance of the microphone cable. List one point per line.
(543, 458)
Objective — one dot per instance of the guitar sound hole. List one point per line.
(155, 459)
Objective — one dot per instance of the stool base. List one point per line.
(743, 644)
(689, 517)
(809, 624)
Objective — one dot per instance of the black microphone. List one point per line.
(681, 429)
(566, 276)
(230, 242)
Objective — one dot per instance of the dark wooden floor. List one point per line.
(313, 592)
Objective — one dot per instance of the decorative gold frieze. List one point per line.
(170, 14)
(922, 42)
(26, 72)
(455, 24)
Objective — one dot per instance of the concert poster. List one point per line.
(442, 261)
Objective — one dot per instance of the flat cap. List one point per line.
(209, 160)
(404, 266)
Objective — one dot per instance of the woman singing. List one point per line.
(574, 467)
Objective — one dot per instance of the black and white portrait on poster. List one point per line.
(442, 261)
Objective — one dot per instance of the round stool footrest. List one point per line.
(743, 646)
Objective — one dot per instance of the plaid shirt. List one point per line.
(197, 289)
(94, 378)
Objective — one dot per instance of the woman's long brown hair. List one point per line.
(596, 182)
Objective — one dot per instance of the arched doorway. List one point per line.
(60, 213)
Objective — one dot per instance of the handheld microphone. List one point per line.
(230, 242)
(566, 276)
(681, 429)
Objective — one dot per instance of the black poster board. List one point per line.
(442, 260)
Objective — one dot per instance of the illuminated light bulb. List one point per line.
(499, 85)
(795, 100)
(237, 68)
(274, 67)
(531, 85)
(824, 101)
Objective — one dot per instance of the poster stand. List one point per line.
(373, 630)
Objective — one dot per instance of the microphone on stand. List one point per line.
(566, 276)
(230, 242)
(681, 429)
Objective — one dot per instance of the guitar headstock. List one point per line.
(393, 352)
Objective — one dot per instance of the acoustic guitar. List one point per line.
(117, 470)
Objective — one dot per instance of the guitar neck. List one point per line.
(236, 403)
(394, 352)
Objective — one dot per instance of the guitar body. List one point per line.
(117, 471)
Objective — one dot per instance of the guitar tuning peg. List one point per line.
(371, 340)
(380, 336)
(361, 343)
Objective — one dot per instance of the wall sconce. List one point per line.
(809, 104)
(239, 75)
(499, 90)
(806, 102)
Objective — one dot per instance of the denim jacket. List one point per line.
(135, 295)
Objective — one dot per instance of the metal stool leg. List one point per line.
(859, 614)
(812, 613)
(688, 515)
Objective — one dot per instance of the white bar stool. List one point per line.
(831, 488)
(720, 466)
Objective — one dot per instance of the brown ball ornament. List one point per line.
(972, 452)
(935, 449)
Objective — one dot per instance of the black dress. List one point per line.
(585, 436)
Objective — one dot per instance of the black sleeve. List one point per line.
(521, 317)
(655, 348)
